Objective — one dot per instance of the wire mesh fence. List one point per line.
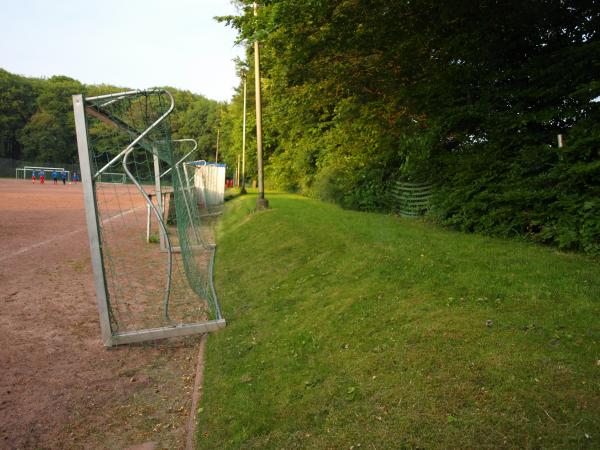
(411, 199)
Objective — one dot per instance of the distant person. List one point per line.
(42, 176)
(54, 177)
(75, 177)
(63, 175)
(33, 174)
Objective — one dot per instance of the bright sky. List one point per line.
(129, 43)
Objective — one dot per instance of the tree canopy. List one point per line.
(359, 94)
(36, 118)
(468, 95)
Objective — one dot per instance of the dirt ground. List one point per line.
(59, 387)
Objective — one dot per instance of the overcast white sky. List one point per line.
(129, 43)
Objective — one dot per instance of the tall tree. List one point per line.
(17, 104)
(468, 94)
(50, 133)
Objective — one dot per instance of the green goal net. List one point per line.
(132, 171)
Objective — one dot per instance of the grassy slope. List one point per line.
(349, 328)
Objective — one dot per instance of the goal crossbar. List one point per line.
(121, 177)
(25, 169)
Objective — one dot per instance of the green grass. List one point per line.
(349, 329)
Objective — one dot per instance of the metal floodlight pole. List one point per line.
(261, 202)
(217, 153)
(218, 134)
(243, 190)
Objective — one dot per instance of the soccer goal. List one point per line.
(112, 177)
(27, 171)
(144, 291)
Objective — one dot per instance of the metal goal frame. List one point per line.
(38, 168)
(111, 337)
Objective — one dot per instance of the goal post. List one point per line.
(142, 293)
(91, 216)
(161, 200)
(112, 177)
(27, 171)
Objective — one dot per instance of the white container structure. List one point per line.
(209, 181)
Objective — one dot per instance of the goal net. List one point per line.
(112, 177)
(28, 171)
(146, 288)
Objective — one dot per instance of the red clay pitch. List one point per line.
(59, 387)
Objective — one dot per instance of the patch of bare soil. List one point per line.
(59, 387)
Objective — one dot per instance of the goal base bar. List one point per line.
(153, 334)
(176, 249)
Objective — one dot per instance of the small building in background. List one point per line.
(209, 182)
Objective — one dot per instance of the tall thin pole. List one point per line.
(261, 202)
(217, 153)
(243, 190)
(91, 217)
(158, 195)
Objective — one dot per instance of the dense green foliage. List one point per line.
(36, 118)
(348, 328)
(469, 95)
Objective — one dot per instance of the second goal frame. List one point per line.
(25, 169)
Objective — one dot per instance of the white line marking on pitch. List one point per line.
(62, 236)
